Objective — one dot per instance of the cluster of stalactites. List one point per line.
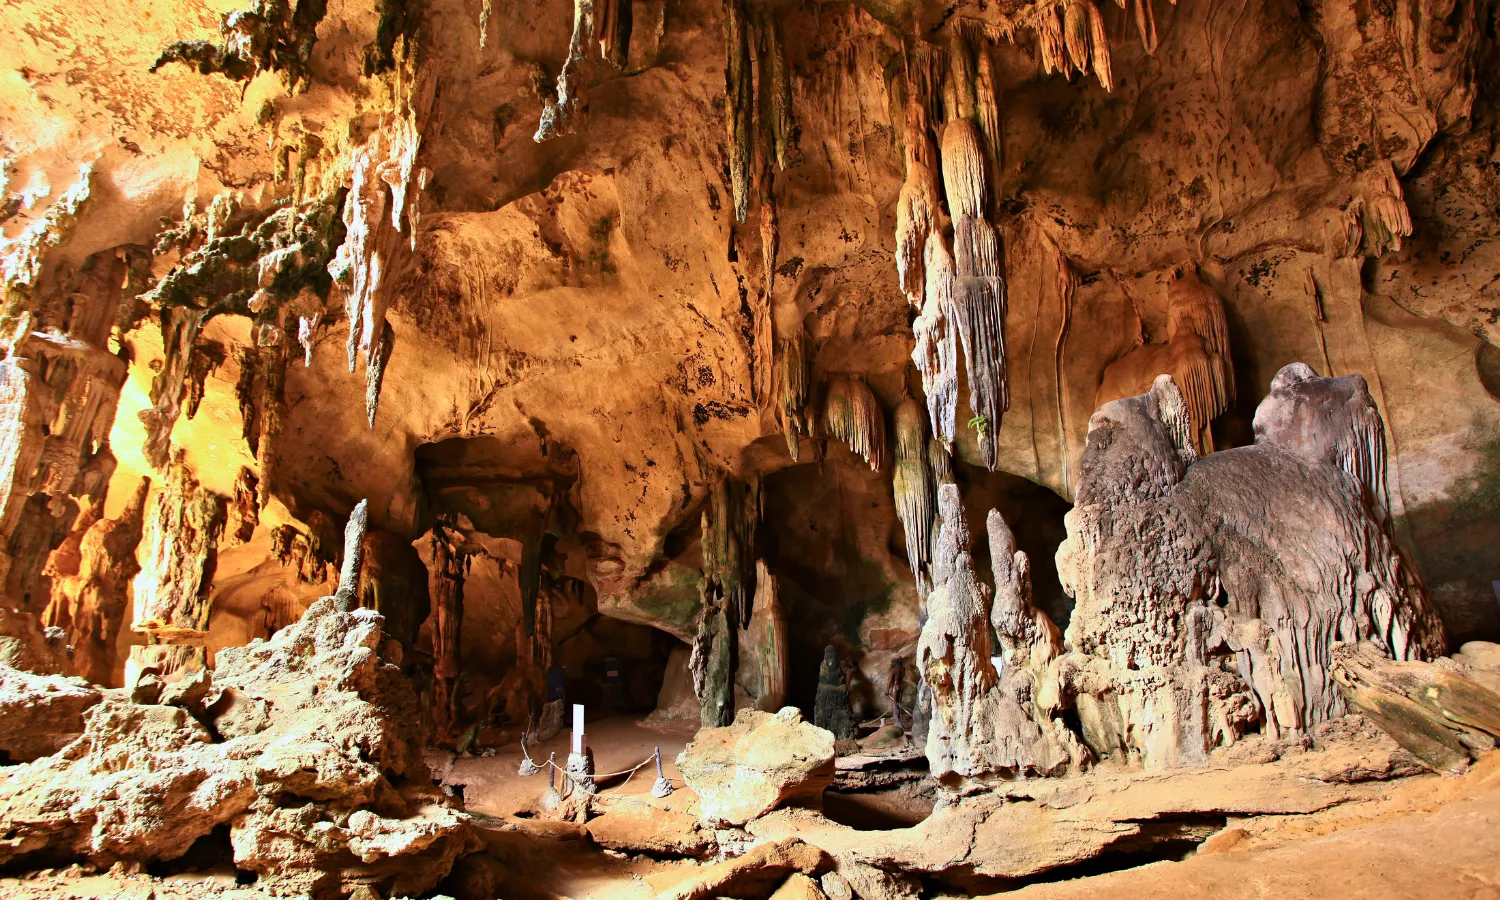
(915, 489)
(852, 414)
(381, 219)
(562, 115)
(794, 387)
(958, 288)
(1071, 38)
(1198, 338)
(758, 110)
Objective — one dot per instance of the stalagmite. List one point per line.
(1257, 560)
(764, 651)
(181, 554)
(852, 414)
(794, 385)
(347, 594)
(915, 490)
(563, 115)
(739, 94)
(977, 730)
(89, 601)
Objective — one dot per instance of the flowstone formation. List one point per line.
(1212, 591)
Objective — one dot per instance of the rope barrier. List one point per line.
(529, 767)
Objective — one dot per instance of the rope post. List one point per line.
(551, 767)
(528, 767)
(663, 787)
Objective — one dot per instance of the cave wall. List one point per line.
(589, 305)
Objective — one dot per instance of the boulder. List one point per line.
(26, 645)
(634, 826)
(41, 714)
(760, 762)
(756, 874)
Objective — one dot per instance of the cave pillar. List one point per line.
(447, 589)
(394, 583)
(173, 596)
(91, 587)
(59, 388)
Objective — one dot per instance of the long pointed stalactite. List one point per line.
(915, 489)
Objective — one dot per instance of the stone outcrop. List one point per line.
(303, 746)
(1211, 591)
(762, 761)
(1444, 719)
(27, 645)
(41, 714)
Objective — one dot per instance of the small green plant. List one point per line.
(980, 424)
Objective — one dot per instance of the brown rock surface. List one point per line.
(762, 761)
(41, 714)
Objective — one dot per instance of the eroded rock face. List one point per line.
(41, 714)
(762, 761)
(302, 745)
(1211, 591)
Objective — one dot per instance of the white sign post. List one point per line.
(578, 736)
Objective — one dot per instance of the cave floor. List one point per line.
(1415, 836)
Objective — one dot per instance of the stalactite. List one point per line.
(565, 114)
(980, 307)
(729, 523)
(90, 601)
(963, 169)
(22, 259)
(1051, 45)
(782, 117)
(989, 116)
(764, 663)
(936, 351)
(269, 35)
(182, 540)
(739, 95)
(1083, 36)
(377, 251)
(179, 330)
(794, 384)
(1099, 46)
(394, 582)
(1145, 23)
(616, 19)
(915, 491)
(446, 585)
(852, 414)
(959, 97)
(918, 208)
(59, 390)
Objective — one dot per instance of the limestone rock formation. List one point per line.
(762, 761)
(41, 714)
(26, 645)
(1210, 592)
(304, 748)
(1443, 718)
